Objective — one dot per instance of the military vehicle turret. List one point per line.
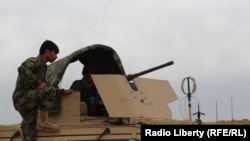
(124, 96)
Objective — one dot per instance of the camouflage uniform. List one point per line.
(91, 97)
(27, 98)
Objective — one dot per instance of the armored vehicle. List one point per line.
(125, 97)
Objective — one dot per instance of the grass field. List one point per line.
(9, 127)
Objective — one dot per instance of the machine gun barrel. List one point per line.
(132, 76)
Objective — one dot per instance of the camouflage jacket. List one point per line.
(86, 89)
(30, 74)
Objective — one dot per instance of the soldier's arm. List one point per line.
(64, 91)
(25, 70)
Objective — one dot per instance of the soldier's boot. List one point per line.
(43, 122)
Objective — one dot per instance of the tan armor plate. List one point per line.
(149, 101)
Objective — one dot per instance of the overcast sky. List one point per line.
(208, 40)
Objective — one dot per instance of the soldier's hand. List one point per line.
(41, 85)
(67, 92)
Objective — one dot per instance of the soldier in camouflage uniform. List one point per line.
(33, 97)
(89, 93)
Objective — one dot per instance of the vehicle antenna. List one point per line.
(188, 93)
(198, 113)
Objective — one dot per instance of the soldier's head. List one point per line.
(87, 71)
(49, 51)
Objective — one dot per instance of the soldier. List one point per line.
(33, 97)
(89, 92)
(91, 97)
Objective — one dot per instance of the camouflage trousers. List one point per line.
(27, 103)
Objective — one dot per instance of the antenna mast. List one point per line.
(199, 115)
(188, 93)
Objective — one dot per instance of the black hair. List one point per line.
(88, 69)
(47, 44)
